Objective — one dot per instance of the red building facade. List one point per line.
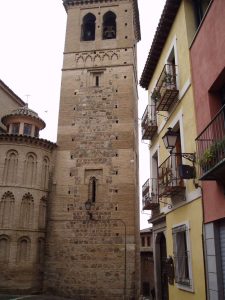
(208, 75)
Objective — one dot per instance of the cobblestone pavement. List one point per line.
(42, 297)
(30, 297)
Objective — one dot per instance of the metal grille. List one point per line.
(166, 92)
(211, 147)
(170, 182)
(149, 122)
(150, 194)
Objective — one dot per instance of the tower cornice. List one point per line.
(69, 3)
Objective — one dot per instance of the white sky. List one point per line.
(31, 53)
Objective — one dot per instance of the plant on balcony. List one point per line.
(169, 80)
(212, 155)
(156, 96)
(206, 159)
(220, 146)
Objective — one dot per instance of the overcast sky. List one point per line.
(31, 53)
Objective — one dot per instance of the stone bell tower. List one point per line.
(93, 225)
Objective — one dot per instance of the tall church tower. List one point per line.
(93, 224)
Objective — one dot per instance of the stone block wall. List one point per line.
(94, 254)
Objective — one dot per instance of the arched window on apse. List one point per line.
(40, 250)
(109, 25)
(4, 248)
(7, 210)
(23, 249)
(88, 28)
(45, 173)
(10, 167)
(92, 189)
(30, 169)
(26, 211)
(42, 213)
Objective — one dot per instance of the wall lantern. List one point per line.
(169, 139)
(185, 171)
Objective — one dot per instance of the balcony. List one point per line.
(150, 194)
(149, 123)
(170, 180)
(166, 93)
(211, 149)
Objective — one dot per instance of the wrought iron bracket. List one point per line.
(165, 117)
(189, 156)
(170, 206)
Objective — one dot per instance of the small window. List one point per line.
(143, 241)
(200, 7)
(36, 132)
(97, 80)
(109, 26)
(92, 188)
(15, 128)
(27, 129)
(181, 255)
(88, 28)
(148, 241)
(171, 72)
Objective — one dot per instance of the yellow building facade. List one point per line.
(172, 192)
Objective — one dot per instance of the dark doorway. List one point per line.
(146, 289)
(161, 270)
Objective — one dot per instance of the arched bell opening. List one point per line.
(109, 26)
(88, 28)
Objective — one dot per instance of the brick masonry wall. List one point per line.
(96, 257)
(22, 269)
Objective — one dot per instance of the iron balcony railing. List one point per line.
(150, 194)
(211, 149)
(166, 92)
(149, 122)
(170, 181)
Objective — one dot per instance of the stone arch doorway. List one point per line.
(162, 289)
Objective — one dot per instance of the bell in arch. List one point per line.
(109, 32)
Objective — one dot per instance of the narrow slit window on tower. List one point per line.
(109, 26)
(97, 80)
(88, 28)
(92, 188)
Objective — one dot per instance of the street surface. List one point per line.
(30, 297)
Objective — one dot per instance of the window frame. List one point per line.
(36, 132)
(15, 128)
(27, 129)
(88, 21)
(200, 10)
(184, 284)
(109, 21)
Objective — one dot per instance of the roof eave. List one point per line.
(164, 26)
